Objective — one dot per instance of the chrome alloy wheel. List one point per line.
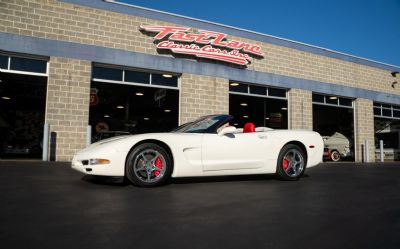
(293, 163)
(149, 166)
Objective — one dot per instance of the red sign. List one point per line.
(94, 99)
(204, 44)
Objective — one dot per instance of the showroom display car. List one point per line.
(207, 146)
(337, 147)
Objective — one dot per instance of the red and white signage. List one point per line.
(204, 44)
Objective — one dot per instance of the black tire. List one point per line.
(335, 156)
(140, 161)
(284, 169)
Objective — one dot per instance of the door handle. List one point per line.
(262, 136)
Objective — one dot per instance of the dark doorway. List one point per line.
(22, 114)
(336, 126)
(118, 109)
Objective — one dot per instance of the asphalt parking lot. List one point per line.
(47, 205)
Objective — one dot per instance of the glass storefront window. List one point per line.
(263, 112)
(107, 73)
(396, 113)
(386, 112)
(3, 62)
(28, 65)
(318, 98)
(137, 77)
(377, 111)
(345, 102)
(332, 100)
(259, 90)
(276, 92)
(238, 87)
(164, 80)
(130, 76)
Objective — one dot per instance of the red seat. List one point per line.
(249, 127)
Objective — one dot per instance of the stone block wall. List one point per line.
(202, 95)
(364, 128)
(67, 104)
(300, 109)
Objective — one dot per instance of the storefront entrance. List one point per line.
(23, 85)
(333, 118)
(132, 102)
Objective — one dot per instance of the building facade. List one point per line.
(126, 69)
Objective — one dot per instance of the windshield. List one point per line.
(207, 124)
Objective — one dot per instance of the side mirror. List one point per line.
(227, 130)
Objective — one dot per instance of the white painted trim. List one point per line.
(260, 96)
(23, 72)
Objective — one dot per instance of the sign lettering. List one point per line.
(204, 44)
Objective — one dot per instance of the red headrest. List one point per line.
(249, 127)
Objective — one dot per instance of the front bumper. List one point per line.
(116, 167)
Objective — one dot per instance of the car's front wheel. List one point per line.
(148, 165)
(291, 162)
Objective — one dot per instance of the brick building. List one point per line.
(73, 64)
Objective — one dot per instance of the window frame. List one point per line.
(248, 93)
(123, 69)
(325, 103)
(9, 70)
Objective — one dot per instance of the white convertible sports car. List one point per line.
(207, 146)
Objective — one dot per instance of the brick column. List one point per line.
(364, 127)
(202, 95)
(300, 109)
(67, 104)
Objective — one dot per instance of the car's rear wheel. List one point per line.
(148, 165)
(291, 162)
(335, 156)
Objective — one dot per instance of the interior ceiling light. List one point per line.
(234, 84)
(146, 119)
(243, 104)
(167, 75)
(167, 110)
(245, 116)
(139, 94)
(120, 107)
(106, 116)
(5, 97)
(266, 118)
(333, 97)
(284, 108)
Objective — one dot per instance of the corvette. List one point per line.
(207, 146)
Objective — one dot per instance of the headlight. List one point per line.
(95, 161)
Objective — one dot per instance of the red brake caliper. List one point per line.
(158, 163)
(285, 164)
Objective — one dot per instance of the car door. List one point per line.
(234, 151)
